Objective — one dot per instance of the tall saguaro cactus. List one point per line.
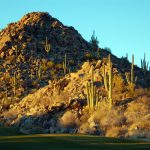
(127, 56)
(14, 83)
(39, 72)
(144, 63)
(65, 64)
(6, 92)
(31, 73)
(107, 78)
(47, 46)
(132, 70)
(92, 95)
(15, 48)
(131, 79)
(110, 82)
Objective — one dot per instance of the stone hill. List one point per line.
(48, 73)
(61, 107)
(39, 48)
(33, 50)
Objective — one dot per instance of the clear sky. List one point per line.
(121, 25)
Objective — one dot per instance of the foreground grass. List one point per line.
(66, 142)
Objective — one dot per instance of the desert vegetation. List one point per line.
(53, 81)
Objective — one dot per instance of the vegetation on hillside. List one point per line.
(53, 81)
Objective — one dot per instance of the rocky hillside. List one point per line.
(61, 107)
(33, 50)
(53, 81)
(39, 48)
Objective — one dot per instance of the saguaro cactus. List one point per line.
(132, 70)
(127, 56)
(144, 63)
(107, 78)
(47, 46)
(92, 95)
(14, 83)
(6, 92)
(110, 82)
(19, 73)
(16, 50)
(130, 79)
(39, 71)
(65, 64)
(99, 52)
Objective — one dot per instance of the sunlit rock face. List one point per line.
(61, 107)
(34, 48)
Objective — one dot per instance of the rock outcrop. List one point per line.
(61, 107)
(23, 51)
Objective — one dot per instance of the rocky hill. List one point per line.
(33, 50)
(61, 107)
(53, 81)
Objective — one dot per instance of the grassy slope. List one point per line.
(65, 142)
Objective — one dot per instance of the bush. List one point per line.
(69, 120)
(50, 64)
(116, 132)
(85, 129)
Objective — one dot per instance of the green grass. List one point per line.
(65, 142)
(9, 131)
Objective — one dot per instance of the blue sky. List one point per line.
(122, 25)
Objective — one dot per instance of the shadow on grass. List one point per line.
(9, 131)
(68, 142)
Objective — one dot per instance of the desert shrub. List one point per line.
(85, 115)
(119, 83)
(88, 56)
(44, 61)
(141, 125)
(58, 66)
(36, 130)
(138, 120)
(53, 73)
(59, 98)
(116, 132)
(107, 49)
(5, 103)
(50, 64)
(139, 129)
(137, 110)
(104, 121)
(47, 64)
(140, 92)
(45, 101)
(111, 119)
(90, 124)
(11, 112)
(72, 62)
(85, 129)
(69, 120)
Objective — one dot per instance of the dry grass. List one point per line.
(132, 121)
(69, 120)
